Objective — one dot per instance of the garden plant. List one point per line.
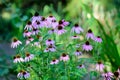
(53, 49)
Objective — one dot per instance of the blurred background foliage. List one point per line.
(102, 16)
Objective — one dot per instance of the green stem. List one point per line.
(66, 71)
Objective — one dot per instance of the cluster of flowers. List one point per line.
(28, 57)
(17, 59)
(38, 22)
